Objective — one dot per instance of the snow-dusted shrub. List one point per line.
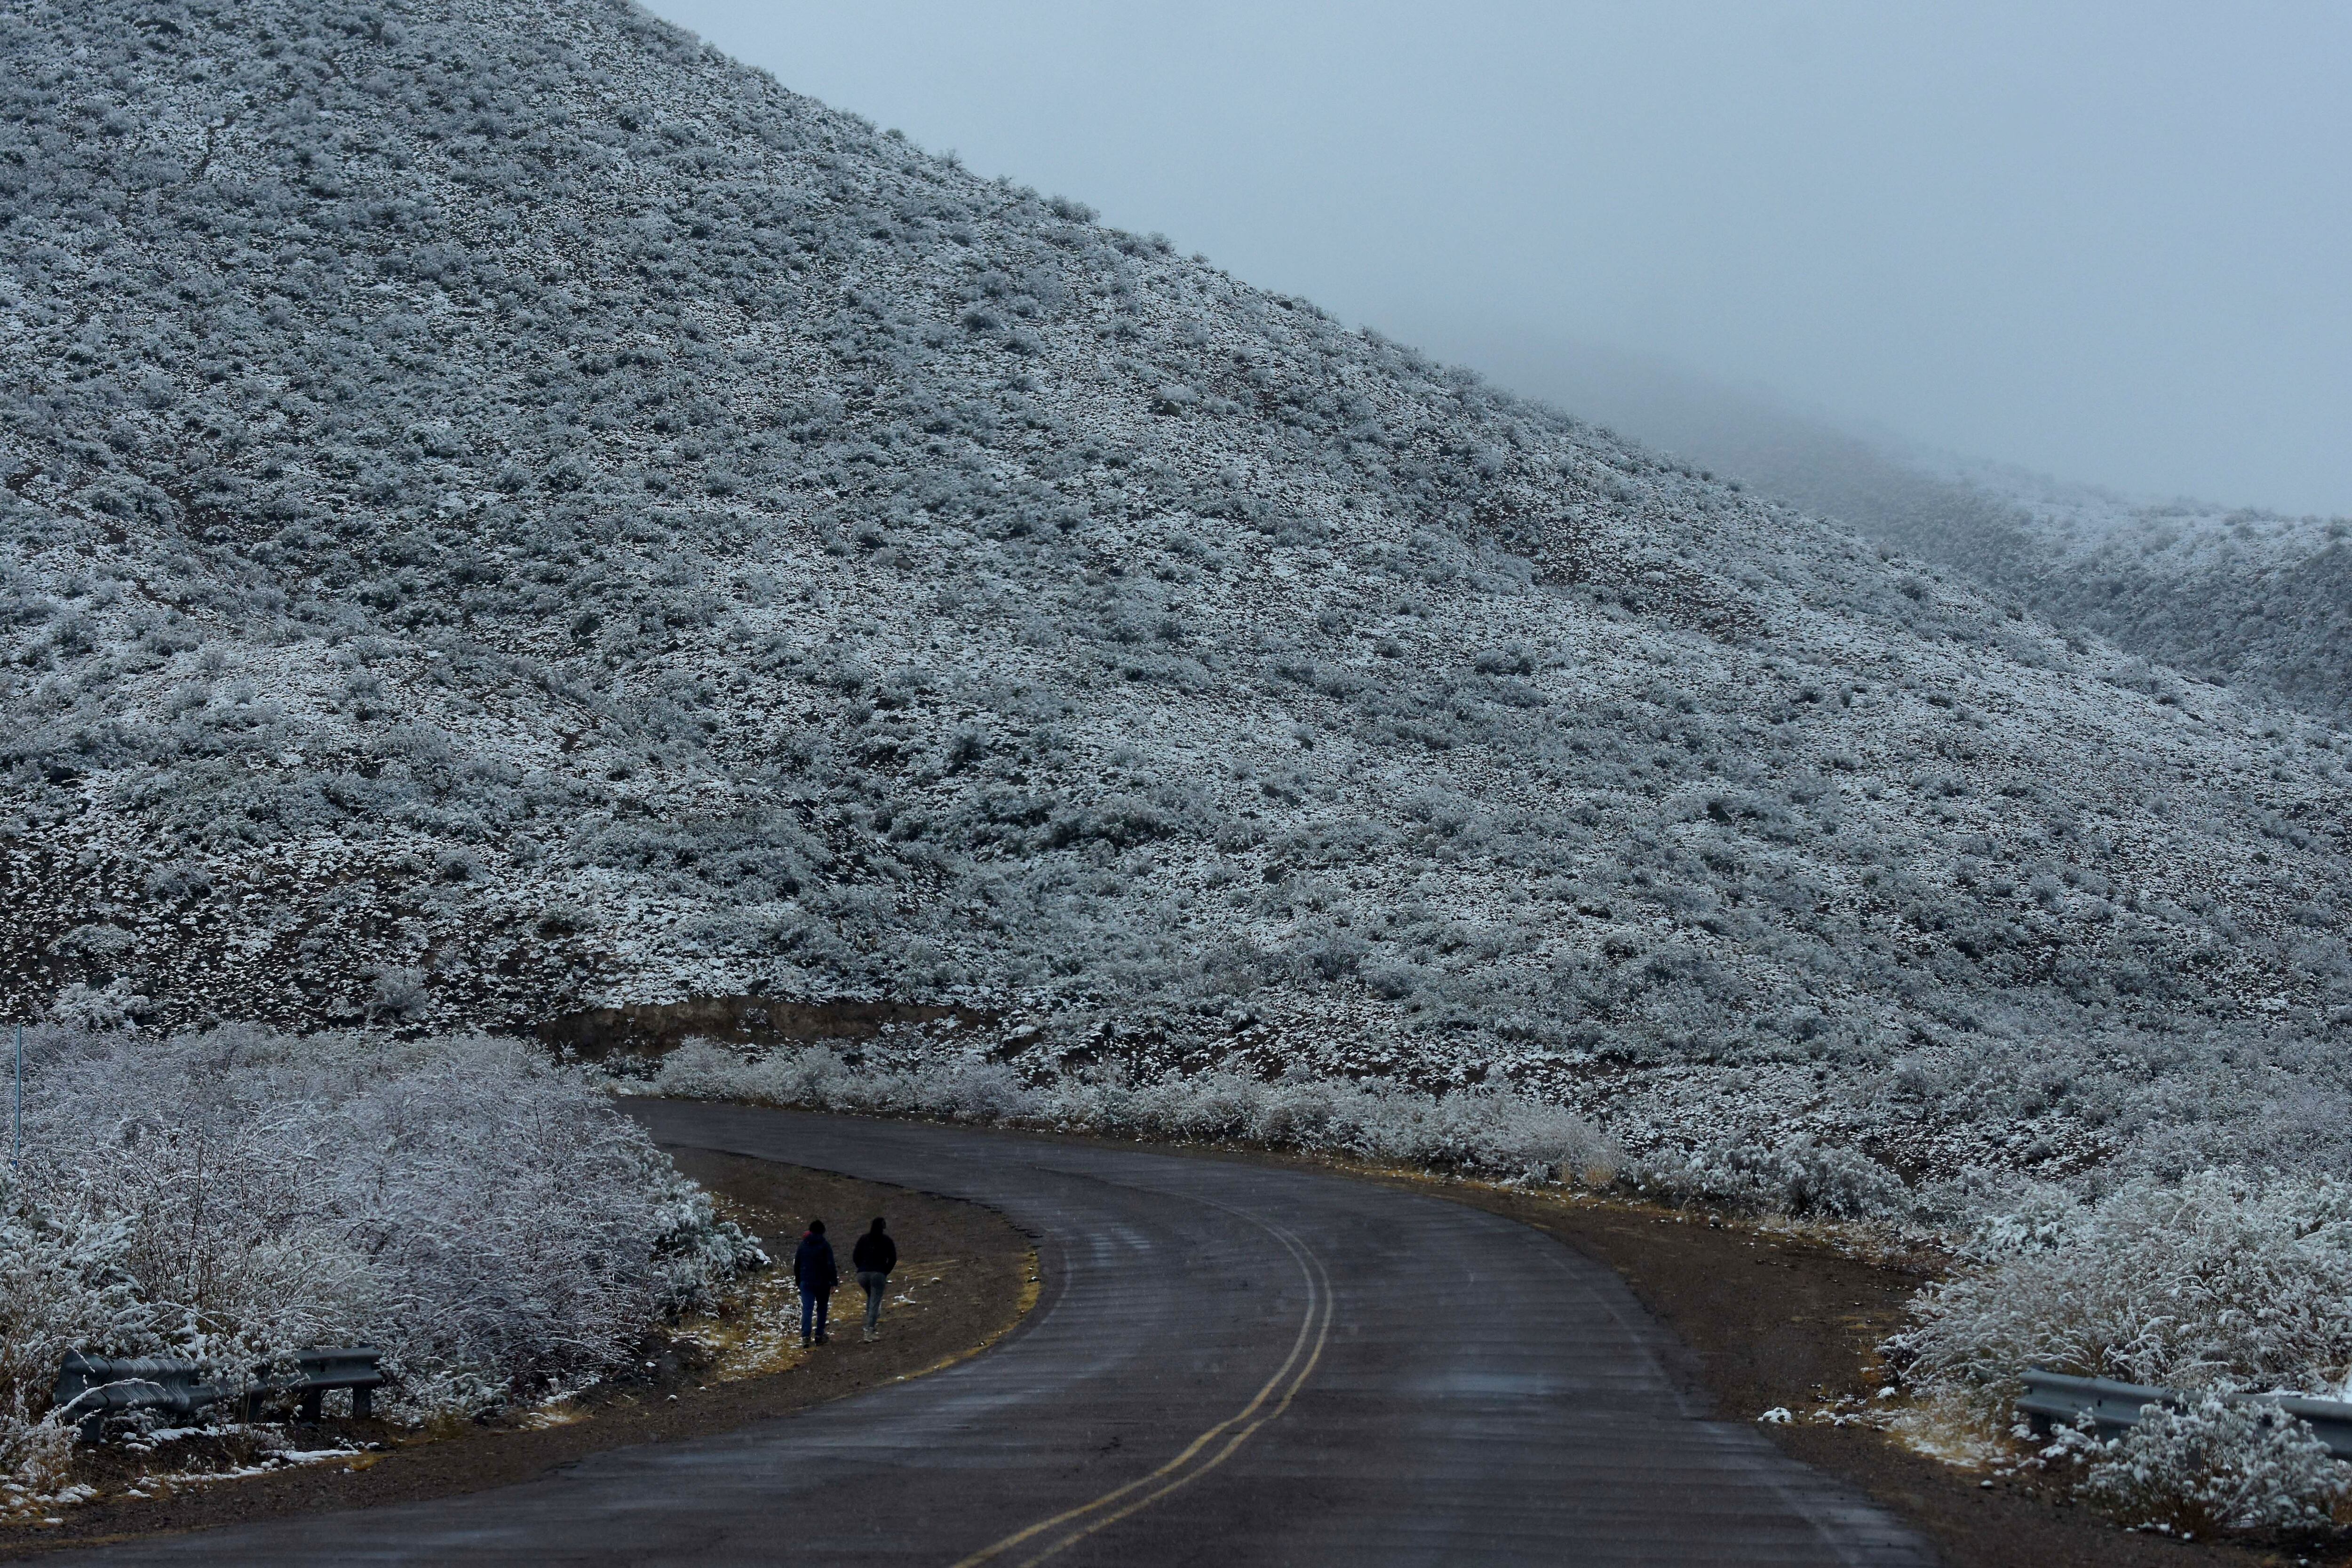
(1798, 1178)
(398, 993)
(2219, 1280)
(475, 1210)
(2219, 1464)
(63, 1286)
(1489, 1131)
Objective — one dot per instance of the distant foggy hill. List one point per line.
(2256, 600)
(2252, 598)
(507, 511)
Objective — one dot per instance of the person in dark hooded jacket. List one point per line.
(815, 1273)
(873, 1257)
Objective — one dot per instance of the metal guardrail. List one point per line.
(355, 1367)
(92, 1388)
(2053, 1397)
(2331, 1418)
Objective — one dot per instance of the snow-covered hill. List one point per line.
(2257, 601)
(507, 511)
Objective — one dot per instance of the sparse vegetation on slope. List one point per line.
(2250, 599)
(506, 508)
(2255, 600)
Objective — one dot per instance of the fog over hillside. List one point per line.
(508, 511)
(2260, 601)
(2257, 600)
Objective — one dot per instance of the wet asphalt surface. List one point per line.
(1229, 1365)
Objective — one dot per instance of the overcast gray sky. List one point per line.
(2113, 242)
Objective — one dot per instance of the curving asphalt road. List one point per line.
(1232, 1365)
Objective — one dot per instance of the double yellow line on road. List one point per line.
(1065, 1530)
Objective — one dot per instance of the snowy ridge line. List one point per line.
(504, 512)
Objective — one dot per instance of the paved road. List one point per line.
(1232, 1365)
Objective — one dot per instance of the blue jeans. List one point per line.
(812, 1306)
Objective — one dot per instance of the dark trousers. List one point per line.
(812, 1306)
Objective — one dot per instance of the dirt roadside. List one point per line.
(968, 1269)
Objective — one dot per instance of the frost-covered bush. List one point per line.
(2224, 1284)
(479, 1212)
(2220, 1280)
(1484, 1130)
(2219, 1464)
(63, 1286)
(1797, 1177)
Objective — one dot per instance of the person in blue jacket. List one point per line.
(815, 1273)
